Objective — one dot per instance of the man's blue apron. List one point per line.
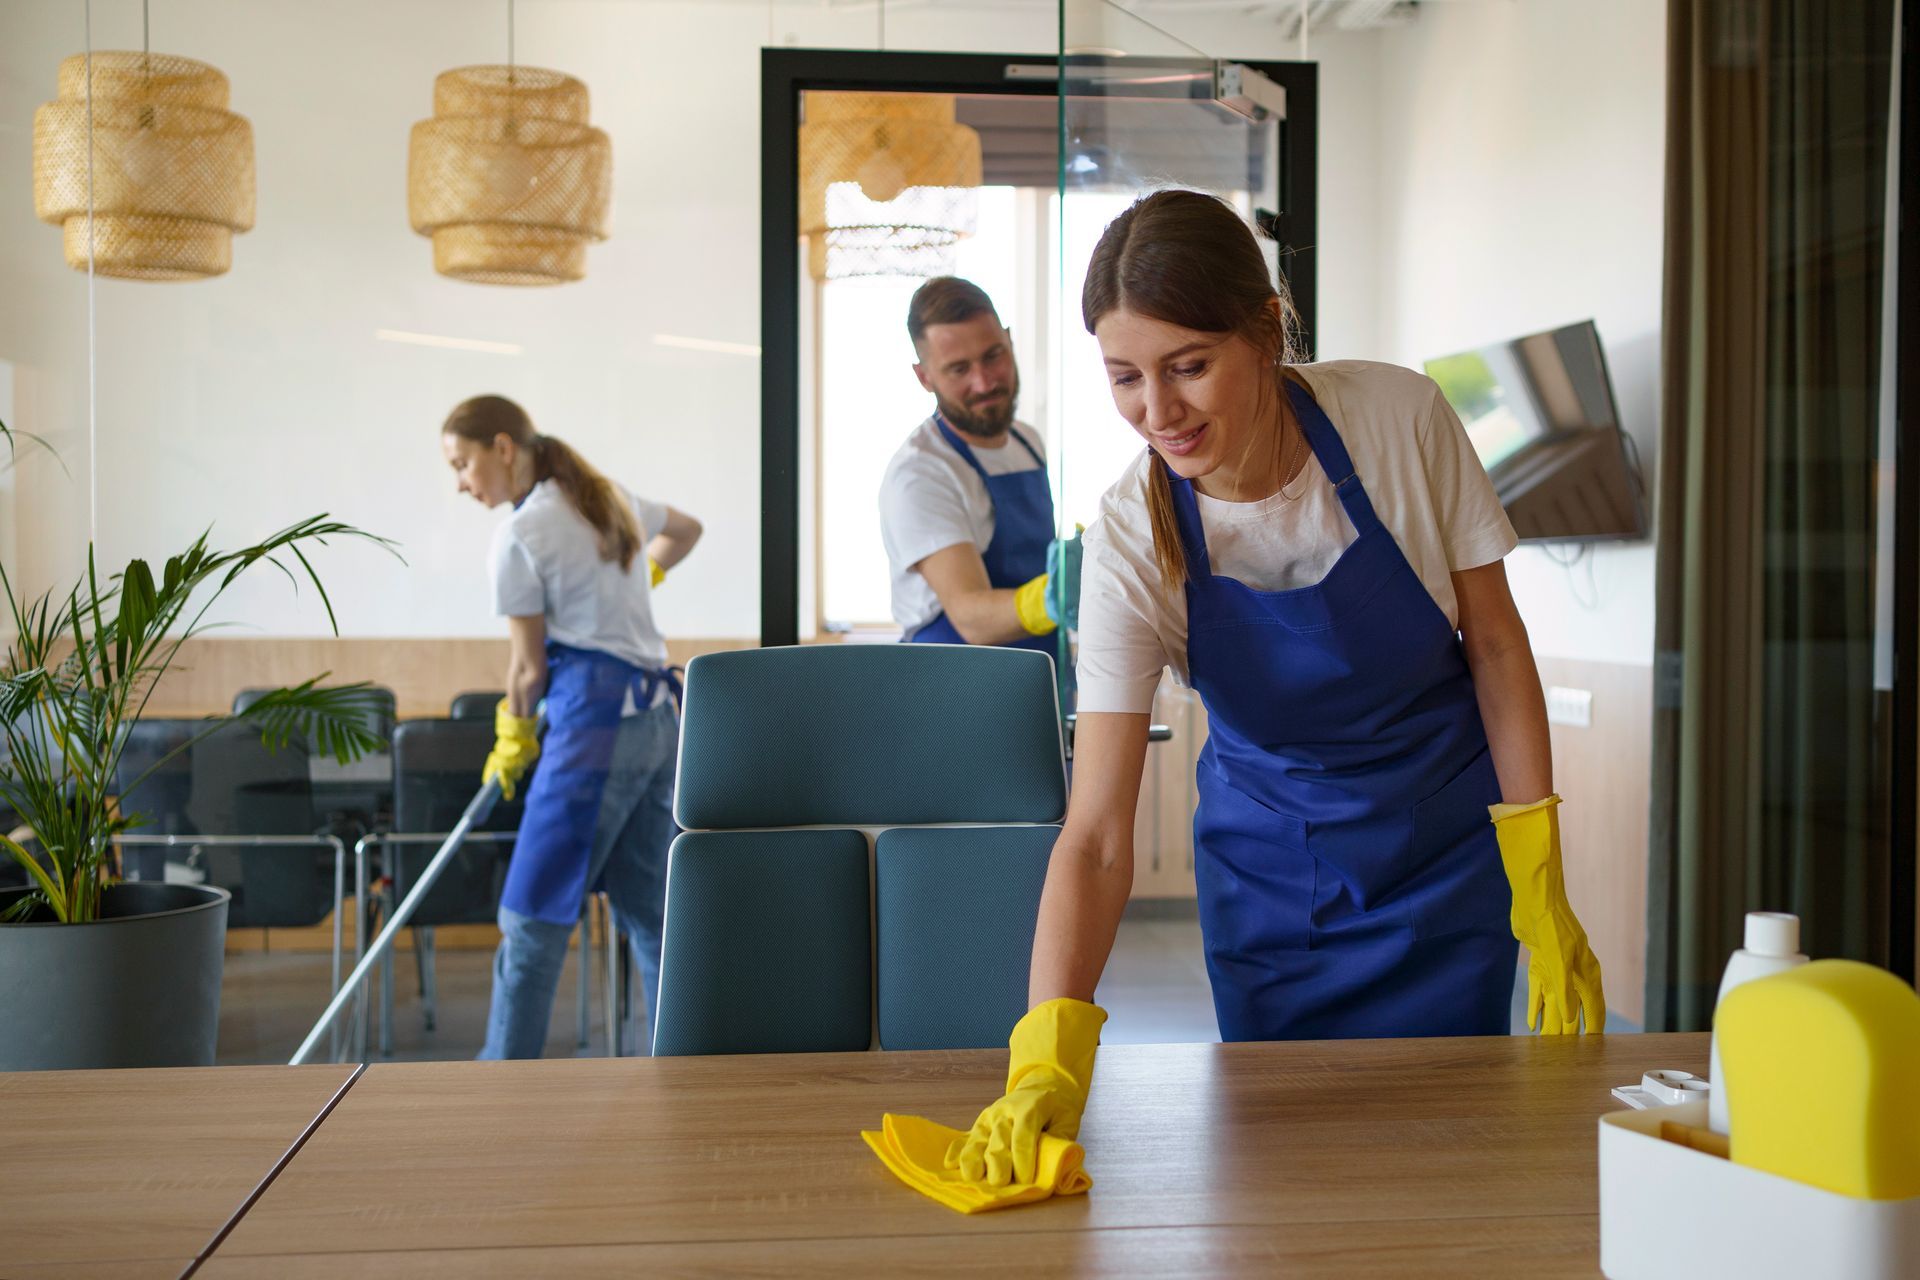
(1022, 528)
(586, 691)
(1350, 884)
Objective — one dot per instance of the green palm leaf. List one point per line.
(81, 666)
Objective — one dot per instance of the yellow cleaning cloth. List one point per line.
(916, 1151)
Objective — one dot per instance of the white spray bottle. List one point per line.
(1772, 944)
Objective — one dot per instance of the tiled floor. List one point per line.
(1155, 991)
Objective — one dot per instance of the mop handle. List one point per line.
(478, 810)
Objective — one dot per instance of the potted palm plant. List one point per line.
(94, 971)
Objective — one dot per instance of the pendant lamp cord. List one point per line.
(93, 433)
(510, 63)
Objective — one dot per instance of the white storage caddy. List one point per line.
(1669, 1212)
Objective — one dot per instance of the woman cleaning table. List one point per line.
(1315, 550)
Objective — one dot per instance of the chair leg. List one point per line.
(386, 1004)
(336, 1040)
(429, 1004)
(611, 936)
(583, 1009)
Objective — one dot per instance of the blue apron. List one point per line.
(586, 691)
(1350, 884)
(1022, 528)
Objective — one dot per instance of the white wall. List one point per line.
(9, 487)
(1490, 169)
(1521, 171)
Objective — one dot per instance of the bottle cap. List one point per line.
(1773, 933)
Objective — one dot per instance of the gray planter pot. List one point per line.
(139, 987)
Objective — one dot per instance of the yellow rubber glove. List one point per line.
(1563, 976)
(515, 748)
(914, 1150)
(1030, 602)
(1049, 1070)
(655, 574)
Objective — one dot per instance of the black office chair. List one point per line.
(12, 874)
(160, 797)
(351, 800)
(436, 771)
(237, 787)
(476, 705)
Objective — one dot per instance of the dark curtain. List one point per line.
(1769, 767)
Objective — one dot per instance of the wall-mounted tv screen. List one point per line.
(1541, 415)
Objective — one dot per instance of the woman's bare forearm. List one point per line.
(1506, 683)
(526, 663)
(1514, 712)
(1080, 909)
(1090, 875)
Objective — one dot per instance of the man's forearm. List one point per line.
(987, 617)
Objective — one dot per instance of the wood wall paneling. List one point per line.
(1604, 772)
(425, 674)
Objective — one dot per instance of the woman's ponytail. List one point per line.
(593, 496)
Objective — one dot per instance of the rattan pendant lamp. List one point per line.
(888, 183)
(171, 177)
(507, 177)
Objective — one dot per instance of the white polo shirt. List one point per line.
(930, 499)
(1418, 468)
(546, 560)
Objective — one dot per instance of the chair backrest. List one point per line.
(161, 797)
(861, 821)
(153, 781)
(237, 786)
(436, 771)
(476, 704)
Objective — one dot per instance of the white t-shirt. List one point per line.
(931, 499)
(546, 560)
(1412, 456)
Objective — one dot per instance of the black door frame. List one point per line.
(784, 75)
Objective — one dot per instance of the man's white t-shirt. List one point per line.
(1418, 468)
(931, 499)
(546, 560)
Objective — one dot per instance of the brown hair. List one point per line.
(592, 494)
(1186, 258)
(945, 300)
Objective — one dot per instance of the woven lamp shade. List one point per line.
(508, 177)
(887, 183)
(173, 174)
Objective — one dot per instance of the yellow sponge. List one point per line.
(1820, 1065)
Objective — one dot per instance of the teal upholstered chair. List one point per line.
(866, 833)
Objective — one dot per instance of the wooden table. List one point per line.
(1381, 1158)
(131, 1174)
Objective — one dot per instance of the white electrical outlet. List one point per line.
(1570, 706)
